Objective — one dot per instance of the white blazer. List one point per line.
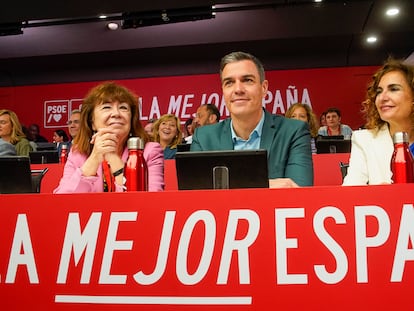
(370, 161)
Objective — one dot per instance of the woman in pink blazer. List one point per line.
(109, 116)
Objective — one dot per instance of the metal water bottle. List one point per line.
(63, 154)
(402, 160)
(136, 170)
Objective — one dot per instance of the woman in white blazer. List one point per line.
(389, 108)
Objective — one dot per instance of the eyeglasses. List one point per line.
(74, 122)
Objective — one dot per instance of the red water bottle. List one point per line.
(63, 154)
(136, 170)
(402, 160)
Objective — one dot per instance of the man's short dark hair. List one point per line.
(212, 109)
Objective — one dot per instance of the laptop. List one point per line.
(15, 175)
(230, 169)
(333, 145)
(44, 156)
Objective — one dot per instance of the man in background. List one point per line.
(34, 131)
(73, 127)
(206, 114)
(250, 127)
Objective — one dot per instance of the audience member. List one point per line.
(149, 128)
(11, 131)
(109, 117)
(167, 132)
(188, 131)
(73, 126)
(206, 114)
(388, 109)
(6, 148)
(35, 136)
(251, 127)
(333, 125)
(322, 119)
(60, 138)
(304, 113)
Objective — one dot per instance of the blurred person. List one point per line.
(388, 109)
(322, 119)
(149, 127)
(35, 136)
(167, 132)
(206, 114)
(6, 149)
(73, 126)
(11, 131)
(99, 152)
(60, 138)
(188, 131)
(250, 126)
(333, 125)
(304, 113)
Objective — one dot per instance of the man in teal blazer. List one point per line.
(287, 141)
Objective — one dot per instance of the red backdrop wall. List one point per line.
(50, 105)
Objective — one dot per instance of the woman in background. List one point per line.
(304, 113)
(109, 116)
(388, 108)
(167, 131)
(11, 131)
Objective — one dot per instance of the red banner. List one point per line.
(316, 248)
(50, 105)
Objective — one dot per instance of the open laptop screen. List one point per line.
(15, 175)
(44, 156)
(222, 169)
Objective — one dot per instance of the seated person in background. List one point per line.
(11, 131)
(35, 136)
(333, 125)
(6, 148)
(167, 132)
(304, 113)
(109, 117)
(188, 131)
(73, 126)
(60, 138)
(322, 119)
(251, 127)
(206, 114)
(388, 109)
(149, 127)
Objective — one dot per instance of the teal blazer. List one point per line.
(287, 142)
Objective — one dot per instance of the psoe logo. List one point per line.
(56, 113)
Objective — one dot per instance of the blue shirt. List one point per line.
(169, 153)
(412, 149)
(254, 139)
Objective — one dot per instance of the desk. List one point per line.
(315, 248)
(326, 172)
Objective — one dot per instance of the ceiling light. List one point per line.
(392, 12)
(318, 0)
(112, 26)
(372, 39)
(103, 16)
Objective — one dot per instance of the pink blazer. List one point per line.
(74, 182)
